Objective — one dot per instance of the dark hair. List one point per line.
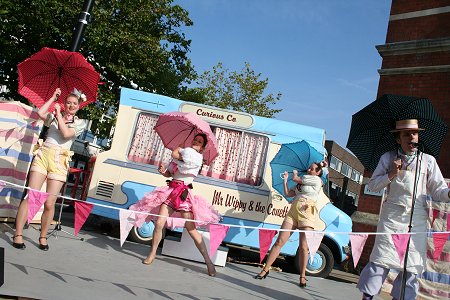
(319, 168)
(204, 138)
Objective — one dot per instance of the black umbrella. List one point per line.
(370, 137)
(369, 134)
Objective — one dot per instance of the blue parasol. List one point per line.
(293, 156)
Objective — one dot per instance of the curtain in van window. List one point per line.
(146, 146)
(251, 162)
(241, 157)
(224, 165)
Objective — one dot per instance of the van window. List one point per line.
(146, 146)
(241, 157)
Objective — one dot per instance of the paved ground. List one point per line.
(98, 268)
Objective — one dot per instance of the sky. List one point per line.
(319, 54)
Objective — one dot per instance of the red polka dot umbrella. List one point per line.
(48, 69)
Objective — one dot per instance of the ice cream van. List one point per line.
(237, 183)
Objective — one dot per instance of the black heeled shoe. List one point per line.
(300, 284)
(43, 247)
(259, 276)
(18, 245)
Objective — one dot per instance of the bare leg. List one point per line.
(276, 248)
(303, 255)
(164, 210)
(198, 240)
(53, 189)
(35, 181)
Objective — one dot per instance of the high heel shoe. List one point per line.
(18, 245)
(41, 246)
(260, 276)
(211, 270)
(302, 284)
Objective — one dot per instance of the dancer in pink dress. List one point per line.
(176, 200)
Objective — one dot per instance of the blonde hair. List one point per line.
(79, 95)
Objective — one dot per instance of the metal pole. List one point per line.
(84, 17)
(405, 261)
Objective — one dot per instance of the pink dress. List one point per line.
(184, 173)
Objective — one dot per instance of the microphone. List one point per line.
(418, 146)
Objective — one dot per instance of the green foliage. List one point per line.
(238, 91)
(129, 42)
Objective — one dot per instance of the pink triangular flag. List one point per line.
(313, 239)
(217, 233)
(435, 214)
(127, 219)
(357, 241)
(265, 240)
(400, 243)
(439, 240)
(2, 185)
(448, 223)
(35, 201)
(175, 222)
(82, 211)
(9, 133)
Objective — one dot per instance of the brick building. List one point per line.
(345, 177)
(416, 62)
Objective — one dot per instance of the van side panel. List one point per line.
(119, 182)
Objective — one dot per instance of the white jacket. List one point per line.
(396, 210)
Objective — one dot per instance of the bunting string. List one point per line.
(229, 225)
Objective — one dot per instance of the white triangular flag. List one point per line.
(313, 239)
(127, 219)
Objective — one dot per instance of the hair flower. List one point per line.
(324, 164)
(79, 94)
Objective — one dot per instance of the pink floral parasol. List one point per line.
(178, 128)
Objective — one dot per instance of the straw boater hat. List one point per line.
(411, 124)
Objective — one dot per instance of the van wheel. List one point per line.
(321, 265)
(143, 234)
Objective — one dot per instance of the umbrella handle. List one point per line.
(282, 175)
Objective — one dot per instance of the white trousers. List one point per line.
(373, 276)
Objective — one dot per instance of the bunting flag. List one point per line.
(2, 185)
(313, 239)
(217, 233)
(435, 213)
(357, 240)
(448, 223)
(265, 240)
(175, 222)
(127, 219)
(82, 211)
(439, 240)
(35, 201)
(400, 243)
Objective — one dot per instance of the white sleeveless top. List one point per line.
(187, 168)
(54, 136)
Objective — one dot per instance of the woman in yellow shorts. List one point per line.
(51, 162)
(302, 215)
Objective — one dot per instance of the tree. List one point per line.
(238, 91)
(129, 42)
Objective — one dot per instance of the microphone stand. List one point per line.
(405, 261)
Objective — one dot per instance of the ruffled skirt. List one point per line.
(202, 211)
